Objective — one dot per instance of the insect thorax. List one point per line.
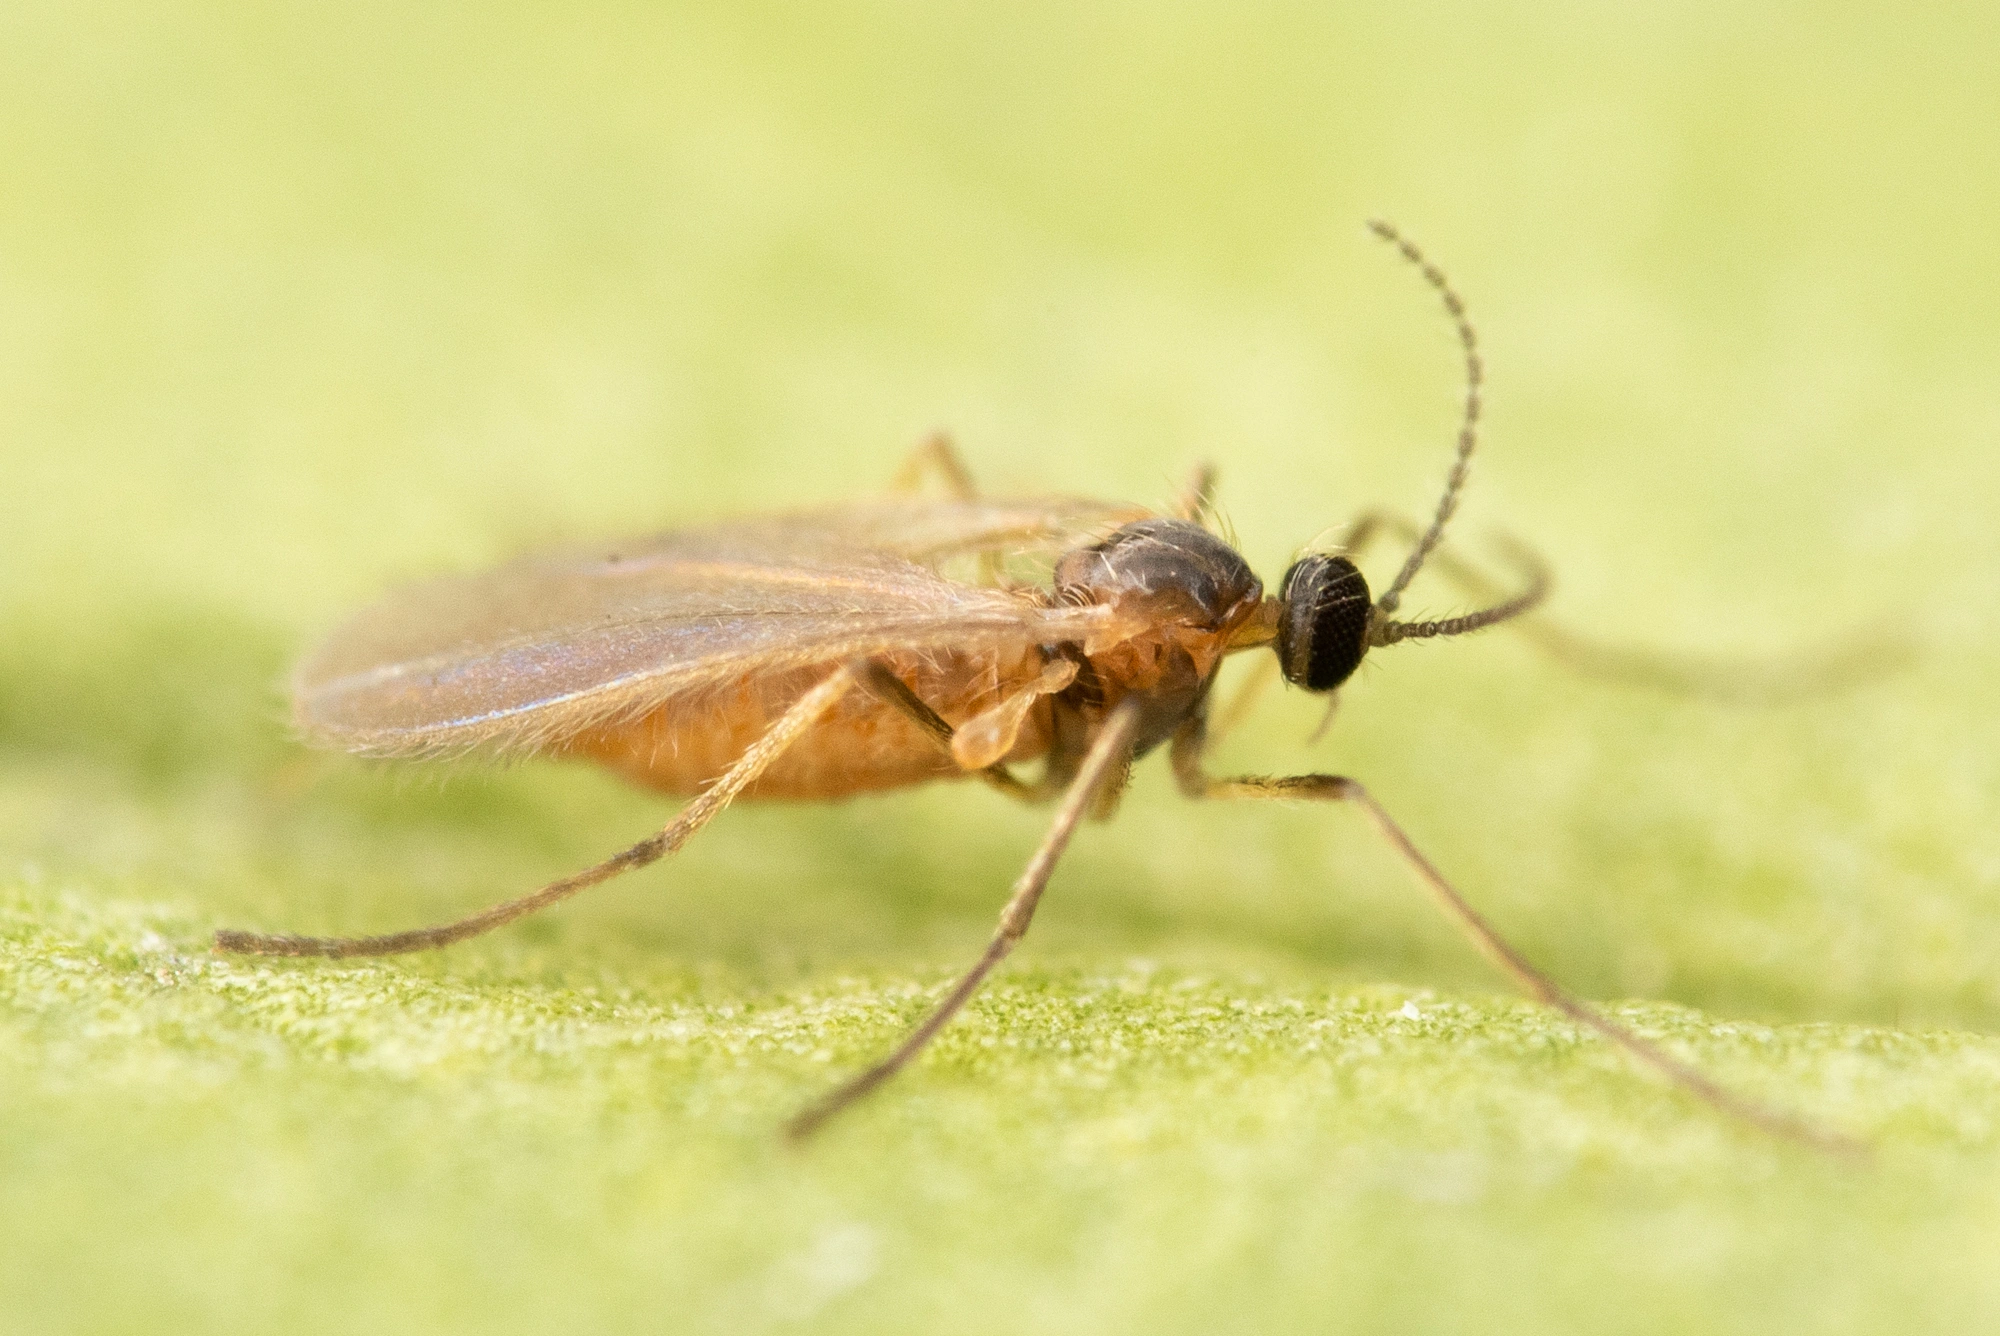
(1176, 592)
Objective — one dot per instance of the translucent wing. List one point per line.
(540, 649)
(930, 532)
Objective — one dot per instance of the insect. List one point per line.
(888, 643)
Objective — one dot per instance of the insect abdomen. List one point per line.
(863, 745)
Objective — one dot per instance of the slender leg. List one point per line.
(875, 678)
(691, 818)
(1336, 788)
(1848, 661)
(1256, 681)
(1105, 762)
(1196, 502)
(1447, 562)
(936, 454)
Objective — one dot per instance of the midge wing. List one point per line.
(536, 651)
(928, 532)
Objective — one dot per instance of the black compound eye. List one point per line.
(1323, 622)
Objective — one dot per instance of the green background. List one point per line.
(297, 301)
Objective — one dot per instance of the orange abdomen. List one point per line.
(860, 746)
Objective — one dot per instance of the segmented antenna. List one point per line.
(1387, 632)
(1468, 428)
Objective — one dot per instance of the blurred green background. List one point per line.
(297, 301)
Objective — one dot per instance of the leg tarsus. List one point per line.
(233, 941)
(1109, 753)
(691, 818)
(1539, 986)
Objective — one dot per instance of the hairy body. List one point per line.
(876, 645)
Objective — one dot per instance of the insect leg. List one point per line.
(878, 681)
(1837, 665)
(1187, 750)
(1256, 681)
(1454, 567)
(936, 454)
(1104, 763)
(1372, 522)
(691, 818)
(1196, 502)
